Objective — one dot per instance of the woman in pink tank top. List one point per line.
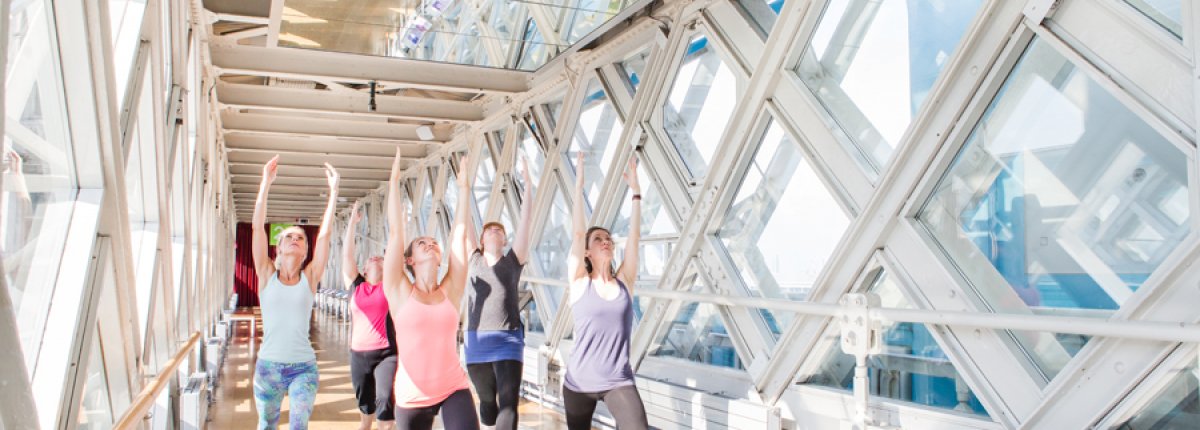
(429, 377)
(372, 336)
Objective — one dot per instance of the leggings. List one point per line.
(372, 373)
(460, 414)
(274, 380)
(498, 385)
(624, 403)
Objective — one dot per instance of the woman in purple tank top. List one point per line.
(602, 308)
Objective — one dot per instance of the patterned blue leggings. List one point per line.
(273, 380)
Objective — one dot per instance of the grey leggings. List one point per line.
(624, 403)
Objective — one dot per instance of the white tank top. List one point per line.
(286, 313)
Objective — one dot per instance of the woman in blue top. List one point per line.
(286, 363)
(495, 338)
(601, 302)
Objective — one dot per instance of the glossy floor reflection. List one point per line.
(336, 407)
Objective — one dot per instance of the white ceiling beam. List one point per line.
(353, 68)
(292, 170)
(343, 191)
(338, 161)
(324, 145)
(275, 19)
(305, 181)
(358, 127)
(260, 96)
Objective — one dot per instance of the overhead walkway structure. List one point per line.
(856, 213)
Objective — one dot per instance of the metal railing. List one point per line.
(141, 404)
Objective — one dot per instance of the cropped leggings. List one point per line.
(624, 403)
(274, 380)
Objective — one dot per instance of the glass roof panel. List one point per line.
(489, 33)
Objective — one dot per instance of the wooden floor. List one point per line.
(335, 406)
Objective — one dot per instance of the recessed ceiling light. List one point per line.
(425, 132)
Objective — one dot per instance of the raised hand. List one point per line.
(356, 214)
(331, 175)
(579, 170)
(396, 172)
(631, 176)
(464, 173)
(270, 170)
(525, 173)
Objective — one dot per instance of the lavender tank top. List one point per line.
(600, 361)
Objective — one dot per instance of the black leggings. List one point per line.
(498, 385)
(624, 403)
(372, 373)
(460, 414)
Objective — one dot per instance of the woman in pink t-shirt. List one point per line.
(429, 378)
(372, 335)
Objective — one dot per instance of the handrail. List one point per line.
(1129, 329)
(141, 404)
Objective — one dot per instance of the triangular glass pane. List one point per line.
(596, 136)
(427, 201)
(634, 69)
(94, 408)
(912, 367)
(529, 312)
(780, 201)
(532, 151)
(1177, 406)
(700, 104)
(536, 49)
(450, 196)
(874, 105)
(1061, 197)
(485, 176)
(1166, 13)
(555, 241)
(697, 333)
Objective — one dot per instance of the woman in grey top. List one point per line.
(495, 338)
(602, 308)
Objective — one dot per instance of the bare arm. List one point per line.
(472, 237)
(575, 266)
(321, 249)
(349, 264)
(520, 246)
(396, 285)
(456, 275)
(263, 266)
(629, 266)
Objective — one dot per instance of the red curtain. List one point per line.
(245, 281)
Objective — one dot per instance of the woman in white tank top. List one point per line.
(286, 361)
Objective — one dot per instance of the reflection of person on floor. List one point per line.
(372, 335)
(602, 308)
(287, 364)
(495, 339)
(429, 377)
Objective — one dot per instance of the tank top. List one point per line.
(427, 368)
(286, 313)
(600, 360)
(370, 324)
(494, 330)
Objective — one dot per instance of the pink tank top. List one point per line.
(368, 318)
(427, 369)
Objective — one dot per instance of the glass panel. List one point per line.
(697, 333)
(912, 367)
(440, 30)
(762, 13)
(533, 155)
(95, 412)
(125, 22)
(450, 197)
(554, 108)
(596, 135)
(39, 171)
(783, 224)
(506, 218)
(1177, 406)
(427, 201)
(872, 63)
(1061, 197)
(529, 314)
(485, 176)
(555, 242)
(1167, 13)
(634, 69)
(700, 104)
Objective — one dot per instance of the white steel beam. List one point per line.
(353, 68)
(355, 127)
(259, 96)
(338, 161)
(324, 145)
(255, 168)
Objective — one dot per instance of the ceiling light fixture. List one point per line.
(425, 132)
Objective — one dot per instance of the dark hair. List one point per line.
(587, 264)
